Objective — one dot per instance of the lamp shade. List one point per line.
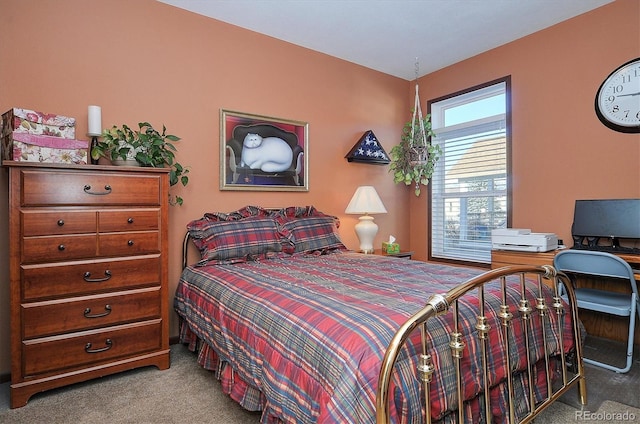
(365, 201)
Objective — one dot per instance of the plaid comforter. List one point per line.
(308, 333)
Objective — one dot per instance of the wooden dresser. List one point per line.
(88, 273)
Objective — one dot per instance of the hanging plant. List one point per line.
(414, 159)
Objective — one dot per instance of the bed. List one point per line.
(298, 327)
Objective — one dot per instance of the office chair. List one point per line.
(607, 265)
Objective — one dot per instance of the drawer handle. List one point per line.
(107, 311)
(60, 223)
(108, 343)
(107, 188)
(130, 220)
(88, 279)
(61, 247)
(130, 242)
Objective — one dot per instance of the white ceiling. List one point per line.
(388, 35)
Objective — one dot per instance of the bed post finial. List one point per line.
(550, 272)
(439, 303)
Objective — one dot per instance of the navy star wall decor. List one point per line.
(368, 150)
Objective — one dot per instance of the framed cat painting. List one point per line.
(261, 153)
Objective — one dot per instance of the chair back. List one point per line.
(596, 263)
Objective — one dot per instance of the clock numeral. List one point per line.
(617, 88)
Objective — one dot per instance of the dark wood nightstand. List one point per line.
(402, 254)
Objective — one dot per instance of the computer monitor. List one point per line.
(606, 218)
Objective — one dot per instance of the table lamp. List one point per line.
(365, 201)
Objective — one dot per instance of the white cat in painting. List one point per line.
(269, 154)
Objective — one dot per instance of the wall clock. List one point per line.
(618, 98)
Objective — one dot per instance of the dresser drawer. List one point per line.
(64, 316)
(78, 350)
(44, 222)
(125, 244)
(82, 278)
(58, 248)
(89, 188)
(128, 220)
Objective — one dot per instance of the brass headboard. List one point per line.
(185, 250)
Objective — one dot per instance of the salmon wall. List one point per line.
(560, 150)
(146, 61)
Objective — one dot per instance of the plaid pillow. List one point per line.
(245, 212)
(312, 234)
(236, 240)
(287, 213)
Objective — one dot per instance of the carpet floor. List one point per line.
(187, 393)
(184, 393)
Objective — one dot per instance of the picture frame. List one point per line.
(262, 153)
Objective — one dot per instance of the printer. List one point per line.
(522, 239)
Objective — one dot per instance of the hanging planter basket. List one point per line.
(418, 155)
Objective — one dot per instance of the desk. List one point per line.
(597, 324)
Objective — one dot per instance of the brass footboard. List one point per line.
(528, 315)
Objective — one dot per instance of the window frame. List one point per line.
(509, 179)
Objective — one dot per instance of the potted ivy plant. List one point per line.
(414, 158)
(143, 147)
(119, 145)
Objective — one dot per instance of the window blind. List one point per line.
(469, 191)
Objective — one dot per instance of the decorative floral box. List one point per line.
(34, 122)
(30, 122)
(43, 148)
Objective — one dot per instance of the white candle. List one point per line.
(95, 120)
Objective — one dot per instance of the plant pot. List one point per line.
(125, 162)
(131, 155)
(418, 155)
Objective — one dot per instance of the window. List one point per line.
(470, 185)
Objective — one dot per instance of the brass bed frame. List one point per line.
(447, 303)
